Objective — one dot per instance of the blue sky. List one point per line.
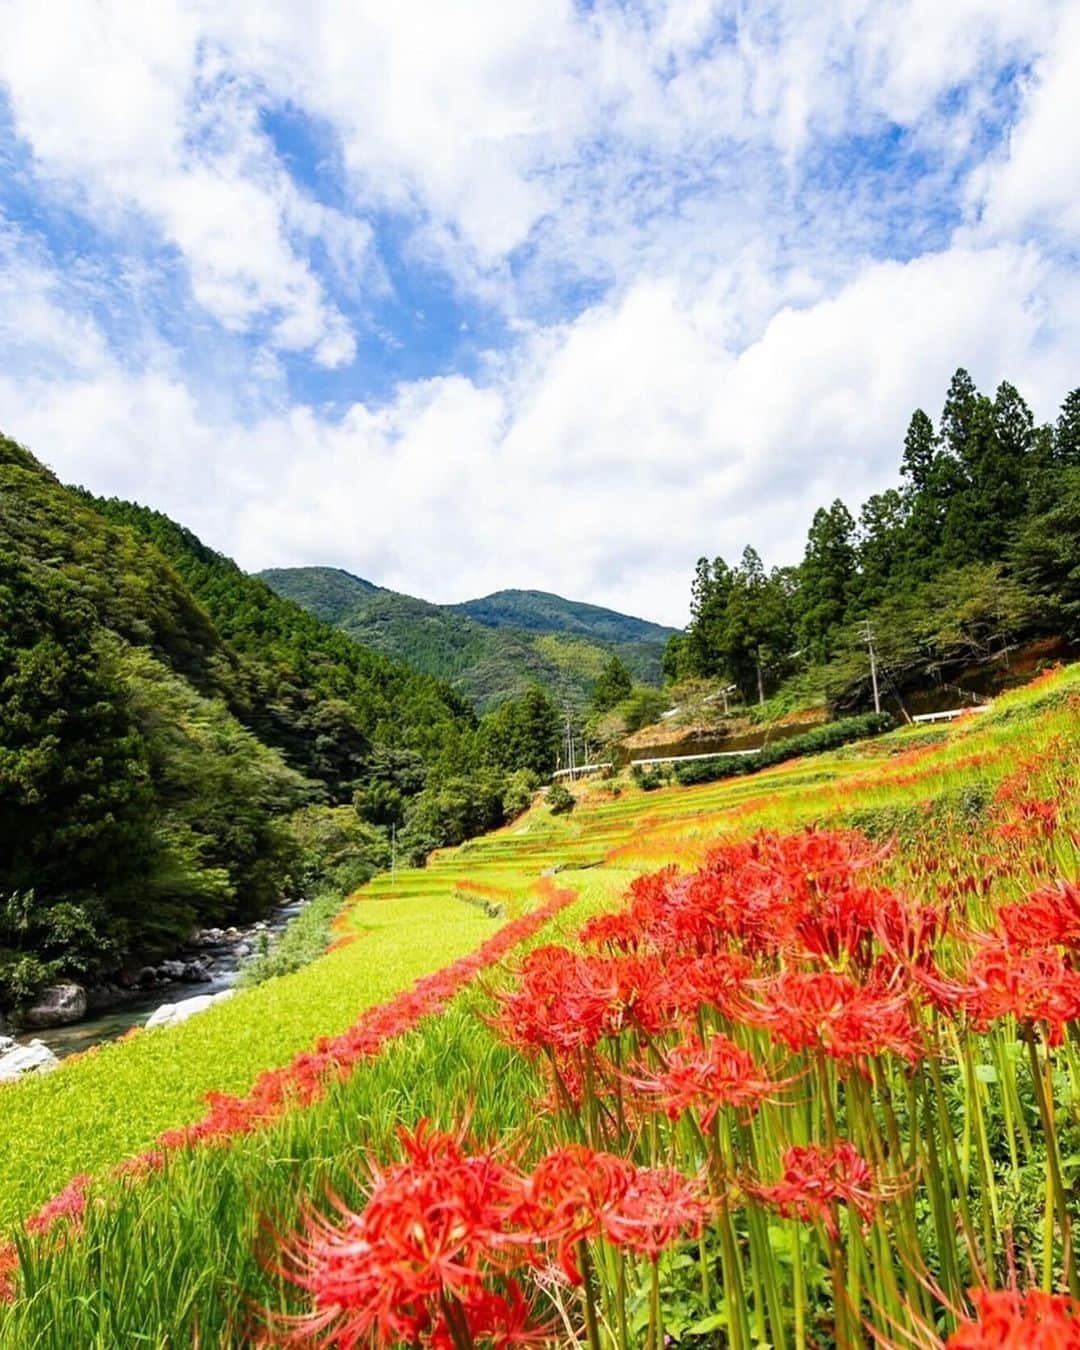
(463, 296)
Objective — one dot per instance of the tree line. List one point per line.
(978, 545)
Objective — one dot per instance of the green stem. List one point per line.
(1044, 1096)
(592, 1328)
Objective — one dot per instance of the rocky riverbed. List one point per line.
(69, 1018)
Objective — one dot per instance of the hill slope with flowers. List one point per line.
(786, 1060)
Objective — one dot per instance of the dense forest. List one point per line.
(172, 731)
(977, 549)
(488, 650)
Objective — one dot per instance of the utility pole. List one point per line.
(868, 638)
(570, 748)
(760, 681)
(393, 849)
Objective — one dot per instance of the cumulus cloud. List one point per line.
(735, 250)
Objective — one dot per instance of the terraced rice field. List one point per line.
(181, 1247)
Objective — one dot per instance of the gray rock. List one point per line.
(7, 1043)
(172, 1014)
(57, 1006)
(171, 970)
(33, 1058)
(147, 978)
(195, 972)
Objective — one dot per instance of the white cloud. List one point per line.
(1036, 181)
(119, 102)
(598, 463)
(753, 354)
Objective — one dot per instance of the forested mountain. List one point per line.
(165, 717)
(490, 649)
(541, 612)
(319, 697)
(977, 548)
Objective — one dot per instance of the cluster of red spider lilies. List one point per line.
(810, 1103)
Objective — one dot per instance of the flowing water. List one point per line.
(109, 1024)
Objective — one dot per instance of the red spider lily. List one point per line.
(708, 1077)
(69, 1205)
(1048, 917)
(828, 1013)
(577, 1193)
(141, 1166)
(565, 1000)
(618, 932)
(816, 1180)
(802, 892)
(764, 894)
(659, 1207)
(565, 1199)
(9, 1265)
(1000, 981)
(428, 1238)
(908, 931)
(712, 981)
(1005, 1319)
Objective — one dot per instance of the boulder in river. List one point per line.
(56, 1007)
(172, 1014)
(16, 1060)
(195, 972)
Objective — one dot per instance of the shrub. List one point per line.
(518, 793)
(560, 800)
(304, 940)
(657, 775)
(827, 737)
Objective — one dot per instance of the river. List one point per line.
(109, 1024)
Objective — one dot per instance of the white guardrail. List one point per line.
(949, 713)
(679, 759)
(581, 768)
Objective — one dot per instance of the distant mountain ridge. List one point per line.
(542, 612)
(489, 649)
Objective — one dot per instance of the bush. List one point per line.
(449, 812)
(561, 801)
(815, 742)
(339, 851)
(518, 793)
(657, 775)
(303, 941)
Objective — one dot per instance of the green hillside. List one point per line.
(327, 592)
(180, 746)
(488, 650)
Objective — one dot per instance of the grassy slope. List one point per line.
(108, 1105)
(210, 1204)
(51, 1127)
